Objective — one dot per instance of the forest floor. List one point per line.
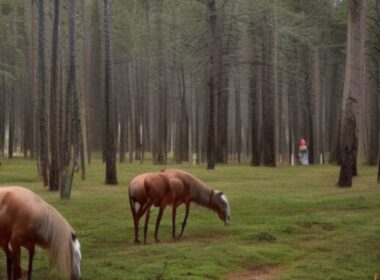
(287, 223)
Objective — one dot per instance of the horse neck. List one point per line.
(201, 194)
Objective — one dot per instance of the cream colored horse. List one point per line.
(25, 221)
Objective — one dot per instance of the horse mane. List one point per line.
(56, 232)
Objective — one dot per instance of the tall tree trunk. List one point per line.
(35, 87)
(334, 119)
(184, 119)
(74, 123)
(255, 105)
(197, 112)
(11, 120)
(212, 83)
(373, 122)
(86, 55)
(238, 147)
(222, 88)
(123, 116)
(96, 111)
(28, 104)
(42, 104)
(53, 123)
(315, 107)
(268, 95)
(161, 152)
(2, 117)
(110, 149)
(138, 109)
(378, 82)
(12, 91)
(353, 87)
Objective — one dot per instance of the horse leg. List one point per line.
(160, 212)
(30, 266)
(136, 225)
(137, 216)
(136, 220)
(16, 256)
(147, 215)
(8, 254)
(174, 216)
(9, 267)
(174, 213)
(187, 204)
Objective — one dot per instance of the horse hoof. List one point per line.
(137, 241)
(157, 240)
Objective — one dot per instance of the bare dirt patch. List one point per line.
(259, 273)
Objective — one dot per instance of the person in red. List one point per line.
(303, 153)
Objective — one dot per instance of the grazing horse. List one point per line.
(154, 189)
(25, 221)
(201, 195)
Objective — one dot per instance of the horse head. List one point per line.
(76, 258)
(222, 207)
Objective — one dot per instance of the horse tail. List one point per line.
(57, 232)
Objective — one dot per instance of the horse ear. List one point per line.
(220, 193)
(73, 236)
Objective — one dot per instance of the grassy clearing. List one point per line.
(292, 218)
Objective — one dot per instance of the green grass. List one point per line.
(293, 218)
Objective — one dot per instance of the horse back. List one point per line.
(157, 186)
(18, 214)
(190, 182)
(148, 186)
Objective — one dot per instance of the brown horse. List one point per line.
(154, 189)
(201, 195)
(25, 221)
(172, 186)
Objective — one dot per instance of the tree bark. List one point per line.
(2, 116)
(42, 104)
(96, 111)
(75, 142)
(353, 87)
(161, 152)
(110, 149)
(12, 91)
(53, 123)
(315, 106)
(238, 120)
(255, 82)
(268, 95)
(334, 118)
(212, 83)
(86, 82)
